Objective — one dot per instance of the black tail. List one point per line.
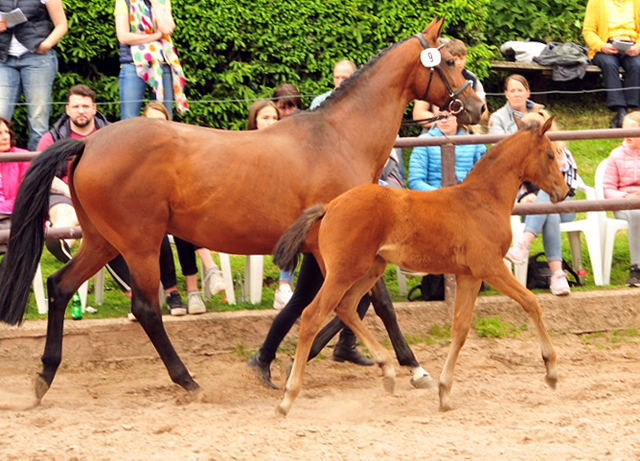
(290, 244)
(30, 212)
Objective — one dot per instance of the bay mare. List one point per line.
(235, 192)
(463, 230)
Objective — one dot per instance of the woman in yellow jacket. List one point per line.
(612, 32)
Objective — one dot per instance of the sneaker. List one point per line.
(559, 284)
(518, 254)
(195, 305)
(176, 306)
(59, 249)
(282, 297)
(131, 317)
(634, 277)
(213, 283)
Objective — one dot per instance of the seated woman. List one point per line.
(11, 174)
(547, 224)
(622, 180)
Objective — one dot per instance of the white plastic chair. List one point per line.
(252, 287)
(590, 227)
(609, 225)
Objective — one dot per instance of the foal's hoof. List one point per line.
(281, 412)
(262, 370)
(552, 381)
(425, 382)
(40, 387)
(389, 384)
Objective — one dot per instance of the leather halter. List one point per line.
(453, 95)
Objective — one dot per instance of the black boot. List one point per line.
(262, 369)
(345, 350)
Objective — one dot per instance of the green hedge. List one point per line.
(236, 50)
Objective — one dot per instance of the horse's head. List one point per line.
(541, 162)
(439, 82)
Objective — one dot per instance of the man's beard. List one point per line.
(81, 124)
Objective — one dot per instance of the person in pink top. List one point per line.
(11, 174)
(622, 180)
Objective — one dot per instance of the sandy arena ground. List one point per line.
(112, 398)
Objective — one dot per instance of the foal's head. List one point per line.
(542, 159)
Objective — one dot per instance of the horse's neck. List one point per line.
(371, 110)
(498, 175)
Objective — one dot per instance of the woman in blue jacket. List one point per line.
(425, 164)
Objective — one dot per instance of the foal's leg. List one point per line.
(347, 312)
(466, 293)
(94, 253)
(145, 281)
(312, 319)
(509, 285)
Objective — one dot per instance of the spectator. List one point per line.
(80, 120)
(287, 99)
(425, 170)
(622, 180)
(341, 71)
(516, 90)
(28, 62)
(11, 174)
(147, 56)
(611, 30)
(548, 224)
(213, 282)
(262, 114)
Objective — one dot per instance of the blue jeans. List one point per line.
(549, 225)
(133, 89)
(32, 74)
(286, 277)
(610, 65)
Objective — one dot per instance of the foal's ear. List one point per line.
(547, 125)
(519, 123)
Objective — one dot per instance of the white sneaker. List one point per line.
(559, 284)
(195, 305)
(213, 283)
(282, 297)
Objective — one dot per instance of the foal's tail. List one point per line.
(26, 240)
(290, 244)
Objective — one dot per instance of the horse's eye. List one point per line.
(450, 62)
(551, 157)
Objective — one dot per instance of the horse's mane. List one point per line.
(344, 89)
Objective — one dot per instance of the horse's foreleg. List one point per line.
(466, 293)
(145, 281)
(510, 286)
(312, 319)
(61, 286)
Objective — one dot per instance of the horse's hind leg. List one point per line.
(312, 319)
(94, 253)
(381, 300)
(466, 293)
(509, 285)
(145, 281)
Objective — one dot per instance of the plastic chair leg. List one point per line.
(225, 266)
(253, 278)
(402, 282)
(38, 291)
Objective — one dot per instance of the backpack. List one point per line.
(539, 274)
(431, 289)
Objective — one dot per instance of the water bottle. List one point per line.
(76, 307)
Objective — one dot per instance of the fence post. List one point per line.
(448, 166)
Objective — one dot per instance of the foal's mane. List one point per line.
(339, 93)
(508, 146)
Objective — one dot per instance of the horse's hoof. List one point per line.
(551, 381)
(444, 407)
(262, 370)
(40, 387)
(389, 384)
(281, 412)
(425, 382)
